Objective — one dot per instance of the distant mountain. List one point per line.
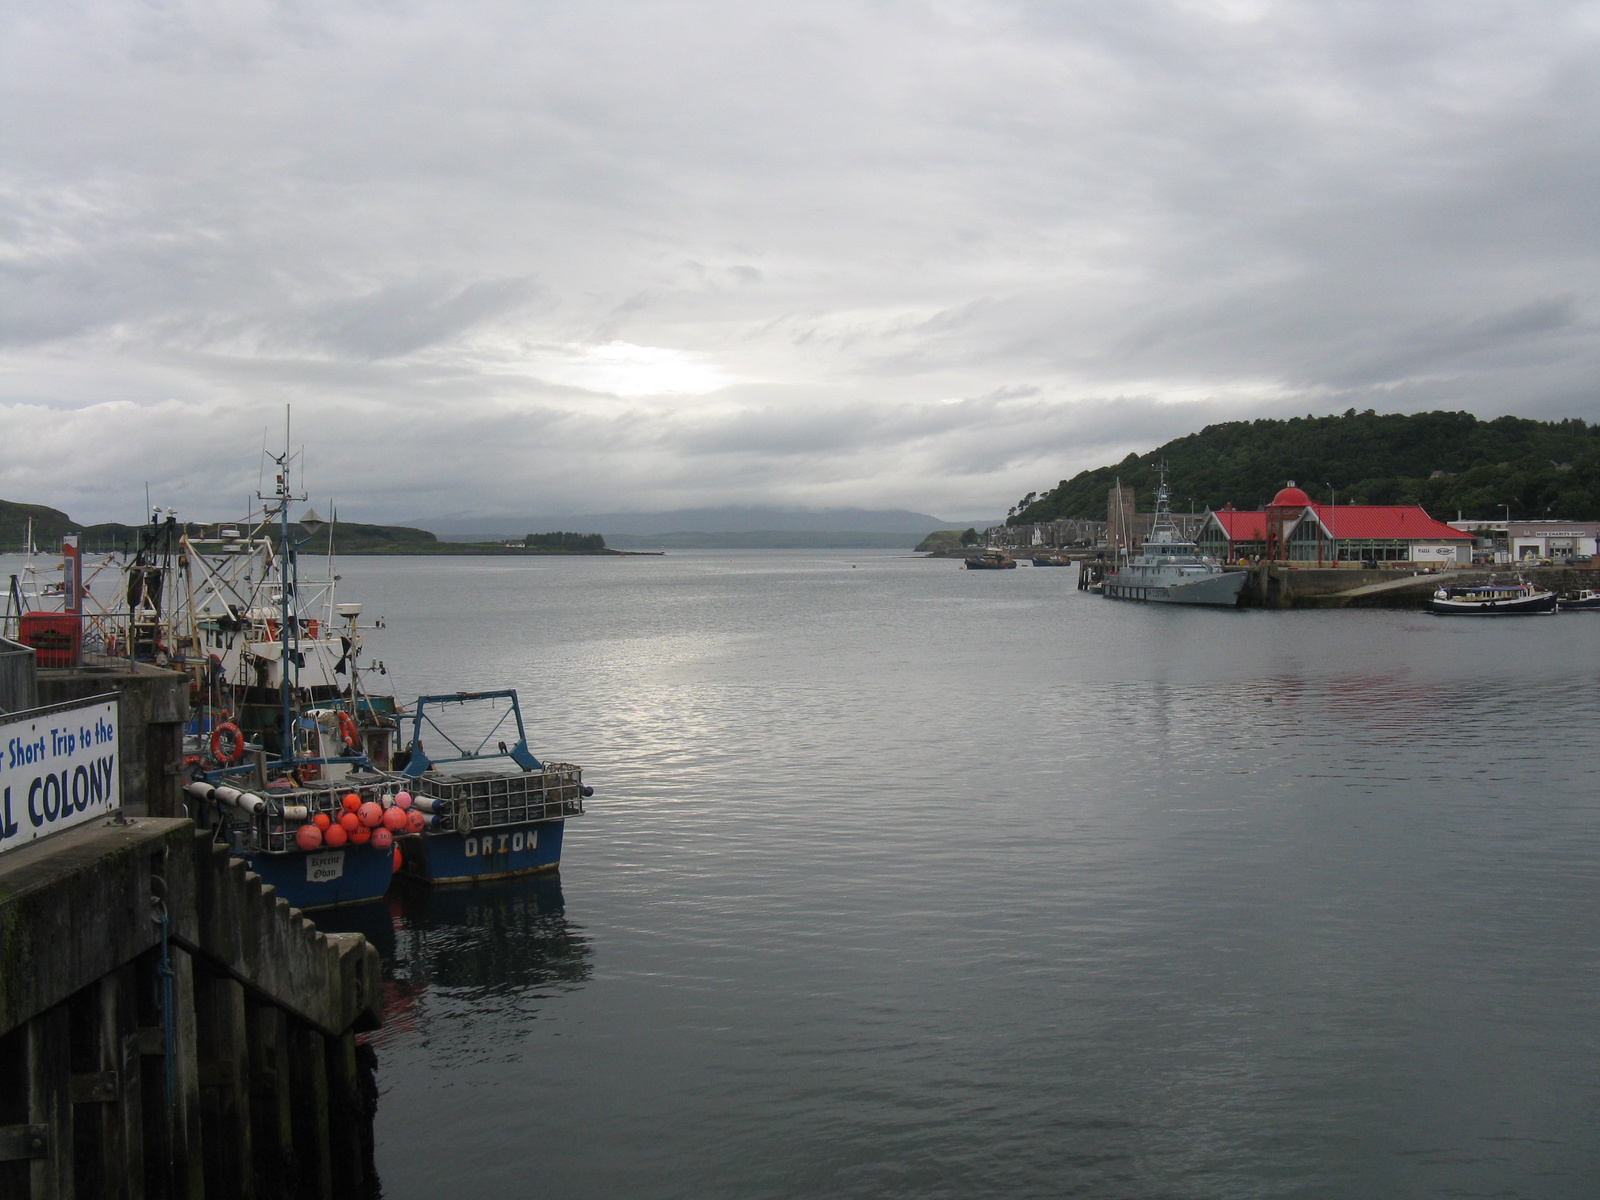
(1448, 462)
(730, 519)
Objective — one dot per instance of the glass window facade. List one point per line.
(1310, 543)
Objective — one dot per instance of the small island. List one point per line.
(948, 543)
(46, 526)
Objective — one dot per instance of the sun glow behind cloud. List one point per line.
(622, 369)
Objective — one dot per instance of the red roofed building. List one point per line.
(1303, 531)
(1375, 533)
(1229, 534)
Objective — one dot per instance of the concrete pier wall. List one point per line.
(1280, 585)
(272, 1096)
(154, 704)
(133, 948)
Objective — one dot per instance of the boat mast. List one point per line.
(277, 503)
(1163, 516)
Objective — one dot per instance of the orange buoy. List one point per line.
(382, 839)
(370, 814)
(397, 860)
(394, 819)
(322, 821)
(352, 802)
(308, 837)
(336, 836)
(350, 822)
(361, 836)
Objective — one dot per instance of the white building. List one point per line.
(1554, 540)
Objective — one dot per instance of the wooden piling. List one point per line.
(308, 1085)
(224, 1087)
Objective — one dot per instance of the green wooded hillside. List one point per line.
(50, 524)
(1445, 461)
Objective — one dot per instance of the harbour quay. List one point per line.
(1288, 585)
(168, 1025)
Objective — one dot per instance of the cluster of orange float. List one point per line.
(362, 824)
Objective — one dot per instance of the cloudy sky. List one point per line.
(549, 255)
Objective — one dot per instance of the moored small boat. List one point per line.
(1493, 600)
(1586, 600)
(1051, 560)
(992, 560)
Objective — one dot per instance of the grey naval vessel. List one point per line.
(1170, 569)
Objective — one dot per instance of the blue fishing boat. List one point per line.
(284, 778)
(263, 828)
(488, 813)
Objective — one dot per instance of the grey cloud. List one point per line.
(405, 317)
(930, 255)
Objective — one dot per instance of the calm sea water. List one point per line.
(902, 881)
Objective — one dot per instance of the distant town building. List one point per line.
(1064, 534)
(1552, 539)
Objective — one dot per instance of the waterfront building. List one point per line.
(1229, 534)
(1555, 540)
(1295, 528)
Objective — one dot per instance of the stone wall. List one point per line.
(152, 705)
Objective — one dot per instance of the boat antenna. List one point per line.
(277, 504)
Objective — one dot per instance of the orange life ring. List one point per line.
(349, 732)
(232, 731)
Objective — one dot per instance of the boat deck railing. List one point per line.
(248, 833)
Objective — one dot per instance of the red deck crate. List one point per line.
(56, 638)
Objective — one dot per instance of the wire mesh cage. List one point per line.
(273, 833)
(491, 800)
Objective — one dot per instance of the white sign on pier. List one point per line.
(59, 767)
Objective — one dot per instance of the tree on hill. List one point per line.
(570, 543)
(1445, 461)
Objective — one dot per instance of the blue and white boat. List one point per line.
(490, 814)
(284, 778)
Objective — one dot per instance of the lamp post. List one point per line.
(1333, 520)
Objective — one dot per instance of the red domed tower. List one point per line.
(1282, 513)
